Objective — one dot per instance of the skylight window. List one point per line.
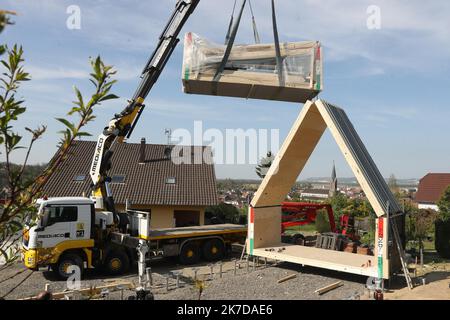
(171, 180)
(79, 178)
(118, 179)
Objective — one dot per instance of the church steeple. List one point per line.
(333, 183)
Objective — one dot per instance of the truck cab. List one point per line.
(64, 234)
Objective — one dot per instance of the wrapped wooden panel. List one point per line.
(251, 70)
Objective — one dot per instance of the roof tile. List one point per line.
(145, 183)
(432, 186)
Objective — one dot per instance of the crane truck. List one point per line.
(89, 232)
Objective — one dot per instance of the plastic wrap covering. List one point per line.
(251, 70)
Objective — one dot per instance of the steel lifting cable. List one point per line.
(231, 35)
(277, 47)
(255, 29)
(227, 37)
(230, 43)
(254, 26)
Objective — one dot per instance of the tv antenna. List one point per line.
(168, 133)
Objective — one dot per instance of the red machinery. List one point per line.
(347, 223)
(302, 213)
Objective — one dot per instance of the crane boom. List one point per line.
(122, 124)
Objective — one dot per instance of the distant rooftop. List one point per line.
(316, 191)
(432, 186)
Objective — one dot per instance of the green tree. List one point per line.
(442, 225)
(365, 208)
(369, 237)
(264, 165)
(30, 173)
(322, 221)
(338, 202)
(22, 190)
(393, 185)
(444, 205)
(424, 224)
(358, 207)
(222, 213)
(411, 212)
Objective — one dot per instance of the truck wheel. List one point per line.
(189, 253)
(213, 250)
(61, 268)
(117, 262)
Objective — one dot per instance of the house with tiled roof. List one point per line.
(315, 194)
(431, 187)
(146, 176)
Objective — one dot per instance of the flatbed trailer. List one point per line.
(71, 232)
(196, 231)
(189, 244)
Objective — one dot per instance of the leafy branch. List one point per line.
(4, 21)
(21, 192)
(100, 78)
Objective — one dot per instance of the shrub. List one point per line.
(322, 221)
(442, 225)
(444, 205)
(442, 238)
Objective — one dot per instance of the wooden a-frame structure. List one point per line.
(264, 239)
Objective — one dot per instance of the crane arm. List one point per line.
(122, 125)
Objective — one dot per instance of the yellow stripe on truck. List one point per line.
(41, 257)
(30, 258)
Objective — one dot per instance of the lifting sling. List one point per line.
(231, 36)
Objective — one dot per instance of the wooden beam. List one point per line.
(85, 291)
(291, 158)
(289, 277)
(329, 287)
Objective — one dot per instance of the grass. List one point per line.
(430, 255)
(427, 245)
(298, 229)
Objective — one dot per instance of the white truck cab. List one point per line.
(64, 225)
(61, 219)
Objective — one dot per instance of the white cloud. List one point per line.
(414, 35)
(386, 115)
(55, 73)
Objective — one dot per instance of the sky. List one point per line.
(393, 81)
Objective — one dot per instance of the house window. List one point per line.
(171, 180)
(80, 177)
(118, 179)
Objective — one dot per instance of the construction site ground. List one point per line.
(252, 282)
(431, 279)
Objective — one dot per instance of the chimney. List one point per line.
(142, 151)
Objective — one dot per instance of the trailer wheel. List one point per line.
(298, 239)
(61, 268)
(190, 253)
(117, 262)
(213, 250)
